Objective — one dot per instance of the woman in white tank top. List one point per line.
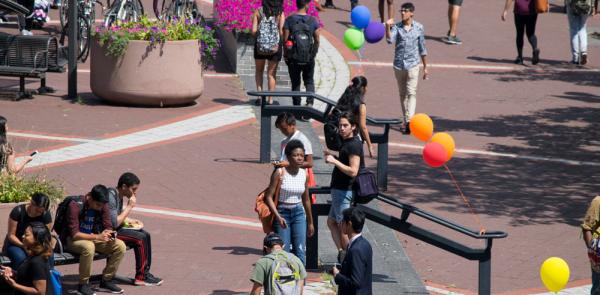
(292, 207)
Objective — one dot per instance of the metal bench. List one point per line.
(29, 57)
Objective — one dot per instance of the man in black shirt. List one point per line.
(347, 164)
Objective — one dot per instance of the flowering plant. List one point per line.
(236, 15)
(116, 37)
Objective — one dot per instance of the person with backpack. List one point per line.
(525, 20)
(353, 100)
(130, 230)
(277, 272)
(84, 223)
(410, 50)
(349, 160)
(19, 219)
(267, 28)
(291, 204)
(301, 35)
(577, 14)
(33, 275)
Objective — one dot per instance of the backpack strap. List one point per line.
(281, 172)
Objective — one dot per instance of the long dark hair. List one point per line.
(43, 239)
(353, 96)
(3, 139)
(41, 200)
(272, 7)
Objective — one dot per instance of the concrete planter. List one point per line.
(167, 75)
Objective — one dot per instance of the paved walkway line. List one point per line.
(476, 67)
(434, 290)
(231, 220)
(207, 75)
(202, 123)
(506, 155)
(571, 291)
(46, 137)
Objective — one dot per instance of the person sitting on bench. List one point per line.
(90, 230)
(130, 230)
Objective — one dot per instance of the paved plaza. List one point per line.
(527, 158)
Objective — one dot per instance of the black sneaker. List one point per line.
(536, 57)
(85, 289)
(151, 280)
(583, 59)
(519, 60)
(111, 287)
(407, 128)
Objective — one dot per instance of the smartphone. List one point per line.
(113, 235)
(33, 154)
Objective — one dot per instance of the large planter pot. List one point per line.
(170, 74)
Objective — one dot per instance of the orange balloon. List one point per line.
(421, 127)
(446, 141)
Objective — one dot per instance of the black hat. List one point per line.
(271, 240)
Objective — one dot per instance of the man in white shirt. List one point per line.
(286, 123)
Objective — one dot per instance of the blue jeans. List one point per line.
(17, 255)
(578, 34)
(295, 233)
(340, 201)
(595, 283)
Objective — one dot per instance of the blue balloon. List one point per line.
(374, 32)
(360, 16)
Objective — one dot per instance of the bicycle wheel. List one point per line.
(85, 36)
(63, 14)
(130, 12)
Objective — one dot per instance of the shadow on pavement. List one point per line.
(575, 77)
(230, 101)
(527, 191)
(381, 278)
(238, 160)
(237, 250)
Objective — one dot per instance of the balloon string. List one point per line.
(481, 228)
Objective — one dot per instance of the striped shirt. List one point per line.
(292, 187)
(410, 45)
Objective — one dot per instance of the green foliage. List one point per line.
(15, 189)
(115, 38)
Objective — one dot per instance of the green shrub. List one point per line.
(15, 189)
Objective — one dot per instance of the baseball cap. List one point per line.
(272, 239)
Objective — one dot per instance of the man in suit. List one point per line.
(356, 275)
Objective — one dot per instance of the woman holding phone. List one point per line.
(7, 154)
(32, 275)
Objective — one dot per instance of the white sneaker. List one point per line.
(26, 33)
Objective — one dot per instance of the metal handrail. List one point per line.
(483, 255)
(381, 139)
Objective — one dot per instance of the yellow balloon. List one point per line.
(446, 141)
(421, 126)
(554, 273)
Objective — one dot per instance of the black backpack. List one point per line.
(61, 218)
(301, 35)
(333, 139)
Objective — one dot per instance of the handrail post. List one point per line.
(485, 269)
(382, 159)
(265, 133)
(312, 243)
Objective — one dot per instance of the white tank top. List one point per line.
(292, 187)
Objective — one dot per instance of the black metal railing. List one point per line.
(483, 255)
(267, 111)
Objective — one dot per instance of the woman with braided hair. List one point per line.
(353, 100)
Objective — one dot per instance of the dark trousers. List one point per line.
(26, 23)
(525, 24)
(140, 241)
(306, 72)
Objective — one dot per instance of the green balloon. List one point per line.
(354, 38)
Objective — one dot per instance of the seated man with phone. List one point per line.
(131, 230)
(88, 230)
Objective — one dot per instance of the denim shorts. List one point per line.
(340, 200)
